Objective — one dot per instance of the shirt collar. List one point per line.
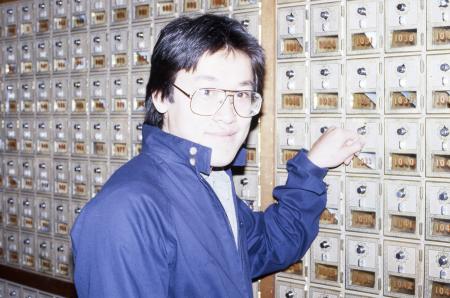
(195, 155)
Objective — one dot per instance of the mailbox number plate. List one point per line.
(327, 272)
(402, 285)
(441, 35)
(363, 278)
(404, 38)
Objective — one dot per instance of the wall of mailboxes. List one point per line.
(379, 68)
(73, 77)
(11, 289)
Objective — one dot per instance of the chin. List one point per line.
(220, 163)
(223, 155)
(222, 159)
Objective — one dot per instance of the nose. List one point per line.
(226, 112)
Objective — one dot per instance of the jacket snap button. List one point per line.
(193, 150)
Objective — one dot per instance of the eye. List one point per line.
(205, 92)
(243, 94)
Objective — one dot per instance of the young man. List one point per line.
(168, 223)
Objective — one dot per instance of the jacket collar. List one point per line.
(172, 147)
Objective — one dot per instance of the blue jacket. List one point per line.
(157, 228)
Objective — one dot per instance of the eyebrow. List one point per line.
(247, 83)
(205, 77)
(213, 79)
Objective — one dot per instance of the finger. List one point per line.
(353, 148)
(348, 160)
(349, 134)
(350, 142)
(362, 140)
(345, 135)
(357, 139)
(329, 130)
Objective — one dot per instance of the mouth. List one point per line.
(222, 133)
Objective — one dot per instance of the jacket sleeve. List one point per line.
(283, 233)
(119, 252)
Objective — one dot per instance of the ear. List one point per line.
(161, 105)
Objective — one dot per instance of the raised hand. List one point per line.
(334, 147)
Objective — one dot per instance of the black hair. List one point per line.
(183, 41)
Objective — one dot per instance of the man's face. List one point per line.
(225, 131)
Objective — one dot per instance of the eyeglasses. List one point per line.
(208, 101)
